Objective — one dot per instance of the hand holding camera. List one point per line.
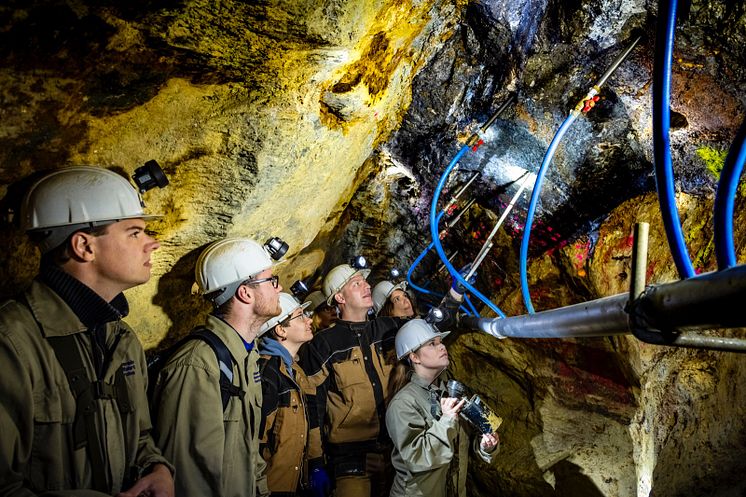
(450, 406)
(474, 410)
(489, 441)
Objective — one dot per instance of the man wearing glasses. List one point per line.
(208, 428)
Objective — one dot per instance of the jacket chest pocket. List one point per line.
(350, 373)
(54, 414)
(54, 406)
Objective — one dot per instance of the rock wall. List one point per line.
(328, 124)
(606, 416)
(261, 115)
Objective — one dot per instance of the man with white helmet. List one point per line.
(213, 438)
(73, 407)
(351, 362)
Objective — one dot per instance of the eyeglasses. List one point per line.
(305, 314)
(274, 279)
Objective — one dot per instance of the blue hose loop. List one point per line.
(523, 260)
(425, 291)
(416, 263)
(436, 239)
(661, 139)
(725, 250)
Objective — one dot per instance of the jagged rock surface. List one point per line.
(329, 123)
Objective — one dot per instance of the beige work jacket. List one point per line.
(37, 408)
(215, 453)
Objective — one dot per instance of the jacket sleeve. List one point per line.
(148, 453)
(267, 444)
(262, 487)
(315, 450)
(313, 359)
(488, 457)
(450, 305)
(17, 424)
(422, 448)
(189, 426)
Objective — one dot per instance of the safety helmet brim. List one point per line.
(414, 334)
(288, 305)
(364, 272)
(380, 298)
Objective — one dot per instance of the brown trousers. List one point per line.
(376, 482)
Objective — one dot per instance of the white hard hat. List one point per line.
(227, 263)
(383, 290)
(288, 304)
(338, 277)
(315, 299)
(413, 334)
(75, 198)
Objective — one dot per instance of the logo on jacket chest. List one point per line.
(128, 368)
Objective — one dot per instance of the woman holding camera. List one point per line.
(430, 444)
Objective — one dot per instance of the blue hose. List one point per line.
(661, 140)
(474, 311)
(532, 206)
(725, 250)
(425, 291)
(436, 239)
(417, 263)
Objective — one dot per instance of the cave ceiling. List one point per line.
(329, 123)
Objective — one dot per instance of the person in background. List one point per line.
(324, 315)
(431, 446)
(73, 405)
(391, 299)
(290, 441)
(215, 445)
(350, 363)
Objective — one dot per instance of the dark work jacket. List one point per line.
(289, 429)
(351, 364)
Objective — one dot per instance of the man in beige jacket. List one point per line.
(215, 447)
(74, 416)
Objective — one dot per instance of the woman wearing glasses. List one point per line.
(290, 441)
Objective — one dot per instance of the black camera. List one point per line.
(456, 389)
(474, 410)
(299, 289)
(148, 176)
(276, 247)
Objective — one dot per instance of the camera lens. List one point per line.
(455, 389)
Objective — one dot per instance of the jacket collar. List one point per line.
(437, 383)
(54, 316)
(228, 335)
(270, 346)
(62, 305)
(87, 305)
(353, 325)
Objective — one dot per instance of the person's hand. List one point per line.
(489, 442)
(450, 406)
(157, 483)
(457, 285)
(321, 484)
